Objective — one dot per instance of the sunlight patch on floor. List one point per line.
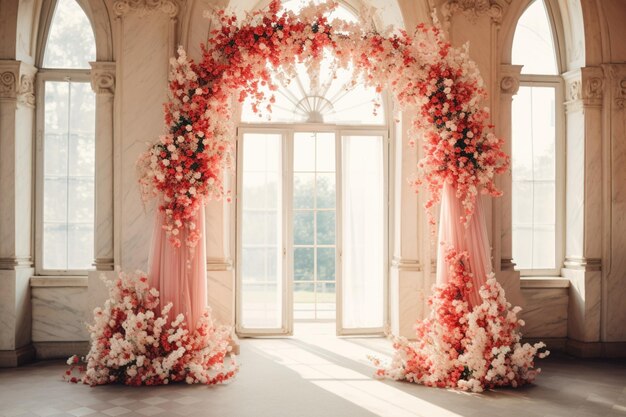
(356, 387)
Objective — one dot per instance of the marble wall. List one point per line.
(142, 66)
(59, 313)
(545, 308)
(135, 40)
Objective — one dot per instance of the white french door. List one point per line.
(311, 229)
(263, 290)
(363, 213)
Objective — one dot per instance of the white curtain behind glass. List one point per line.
(362, 232)
(261, 235)
(69, 170)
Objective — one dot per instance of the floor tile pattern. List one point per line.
(318, 375)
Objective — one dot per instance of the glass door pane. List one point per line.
(314, 242)
(363, 241)
(260, 256)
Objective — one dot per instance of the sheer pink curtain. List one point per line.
(180, 273)
(473, 239)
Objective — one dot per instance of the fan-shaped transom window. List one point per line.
(324, 94)
(71, 42)
(533, 45)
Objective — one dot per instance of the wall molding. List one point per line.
(60, 350)
(104, 264)
(17, 357)
(472, 9)
(122, 8)
(58, 281)
(404, 264)
(595, 349)
(15, 262)
(587, 264)
(219, 264)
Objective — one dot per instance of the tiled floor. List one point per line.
(316, 375)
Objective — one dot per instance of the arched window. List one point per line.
(312, 202)
(66, 145)
(537, 147)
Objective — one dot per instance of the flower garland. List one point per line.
(423, 70)
(465, 348)
(133, 344)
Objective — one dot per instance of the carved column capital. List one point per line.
(616, 84)
(145, 7)
(592, 86)
(17, 82)
(509, 78)
(9, 76)
(103, 77)
(473, 9)
(26, 90)
(584, 87)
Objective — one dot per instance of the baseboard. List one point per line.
(60, 350)
(595, 349)
(552, 343)
(17, 357)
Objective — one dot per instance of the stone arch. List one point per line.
(194, 27)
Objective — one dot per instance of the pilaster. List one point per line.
(17, 101)
(509, 278)
(583, 205)
(409, 285)
(103, 84)
(614, 231)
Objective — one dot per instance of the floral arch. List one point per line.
(421, 71)
(470, 340)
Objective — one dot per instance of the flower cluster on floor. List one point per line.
(459, 346)
(135, 343)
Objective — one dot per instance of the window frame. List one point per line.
(556, 82)
(43, 76)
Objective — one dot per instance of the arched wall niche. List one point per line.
(26, 30)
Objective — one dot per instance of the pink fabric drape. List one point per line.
(180, 273)
(473, 239)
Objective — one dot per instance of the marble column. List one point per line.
(17, 115)
(583, 205)
(508, 277)
(103, 84)
(408, 288)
